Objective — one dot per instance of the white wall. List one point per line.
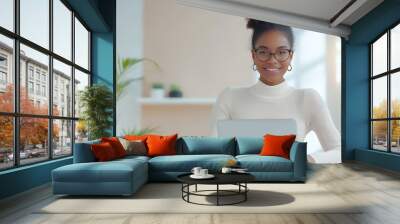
(204, 52)
(130, 44)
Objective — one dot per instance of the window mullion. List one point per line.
(16, 84)
(371, 89)
(73, 81)
(50, 81)
(389, 113)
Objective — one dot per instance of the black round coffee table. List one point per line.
(238, 179)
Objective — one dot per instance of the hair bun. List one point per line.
(253, 23)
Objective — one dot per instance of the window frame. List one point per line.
(388, 74)
(16, 115)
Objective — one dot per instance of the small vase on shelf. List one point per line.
(175, 91)
(157, 91)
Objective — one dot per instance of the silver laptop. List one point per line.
(255, 127)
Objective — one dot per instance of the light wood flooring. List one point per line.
(378, 188)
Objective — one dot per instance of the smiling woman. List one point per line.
(272, 98)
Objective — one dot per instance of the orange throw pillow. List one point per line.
(277, 145)
(116, 145)
(161, 145)
(136, 137)
(103, 151)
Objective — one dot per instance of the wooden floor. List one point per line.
(378, 188)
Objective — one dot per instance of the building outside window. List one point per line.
(44, 77)
(3, 60)
(57, 134)
(30, 87)
(38, 89)
(30, 72)
(43, 90)
(3, 72)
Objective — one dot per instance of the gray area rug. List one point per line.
(166, 198)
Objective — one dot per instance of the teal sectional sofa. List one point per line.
(125, 176)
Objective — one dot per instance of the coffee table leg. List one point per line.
(217, 194)
(188, 189)
(245, 193)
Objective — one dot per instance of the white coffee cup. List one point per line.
(203, 172)
(226, 170)
(196, 170)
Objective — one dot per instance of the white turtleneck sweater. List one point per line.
(282, 101)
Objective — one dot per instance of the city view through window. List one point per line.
(385, 82)
(39, 114)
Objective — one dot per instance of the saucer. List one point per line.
(208, 176)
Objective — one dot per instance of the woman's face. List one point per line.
(272, 56)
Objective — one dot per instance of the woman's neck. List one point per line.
(272, 83)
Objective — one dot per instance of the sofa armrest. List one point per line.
(83, 152)
(298, 155)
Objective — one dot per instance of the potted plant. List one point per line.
(157, 90)
(96, 102)
(175, 91)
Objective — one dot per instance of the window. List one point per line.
(35, 21)
(81, 45)
(30, 72)
(43, 90)
(54, 126)
(3, 78)
(81, 81)
(37, 75)
(385, 94)
(3, 61)
(62, 29)
(38, 89)
(62, 75)
(30, 87)
(7, 14)
(6, 73)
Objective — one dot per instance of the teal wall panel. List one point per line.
(24, 178)
(102, 59)
(356, 81)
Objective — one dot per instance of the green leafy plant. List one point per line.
(174, 87)
(157, 85)
(175, 91)
(124, 66)
(96, 102)
(139, 131)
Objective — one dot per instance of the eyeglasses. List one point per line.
(263, 54)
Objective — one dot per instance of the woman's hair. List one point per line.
(260, 27)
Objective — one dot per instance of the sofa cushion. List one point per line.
(192, 145)
(185, 163)
(159, 145)
(249, 145)
(103, 152)
(116, 145)
(111, 171)
(277, 145)
(135, 147)
(257, 163)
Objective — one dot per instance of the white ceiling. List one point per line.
(320, 9)
(315, 15)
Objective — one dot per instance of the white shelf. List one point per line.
(177, 101)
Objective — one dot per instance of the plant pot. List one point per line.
(157, 93)
(175, 94)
